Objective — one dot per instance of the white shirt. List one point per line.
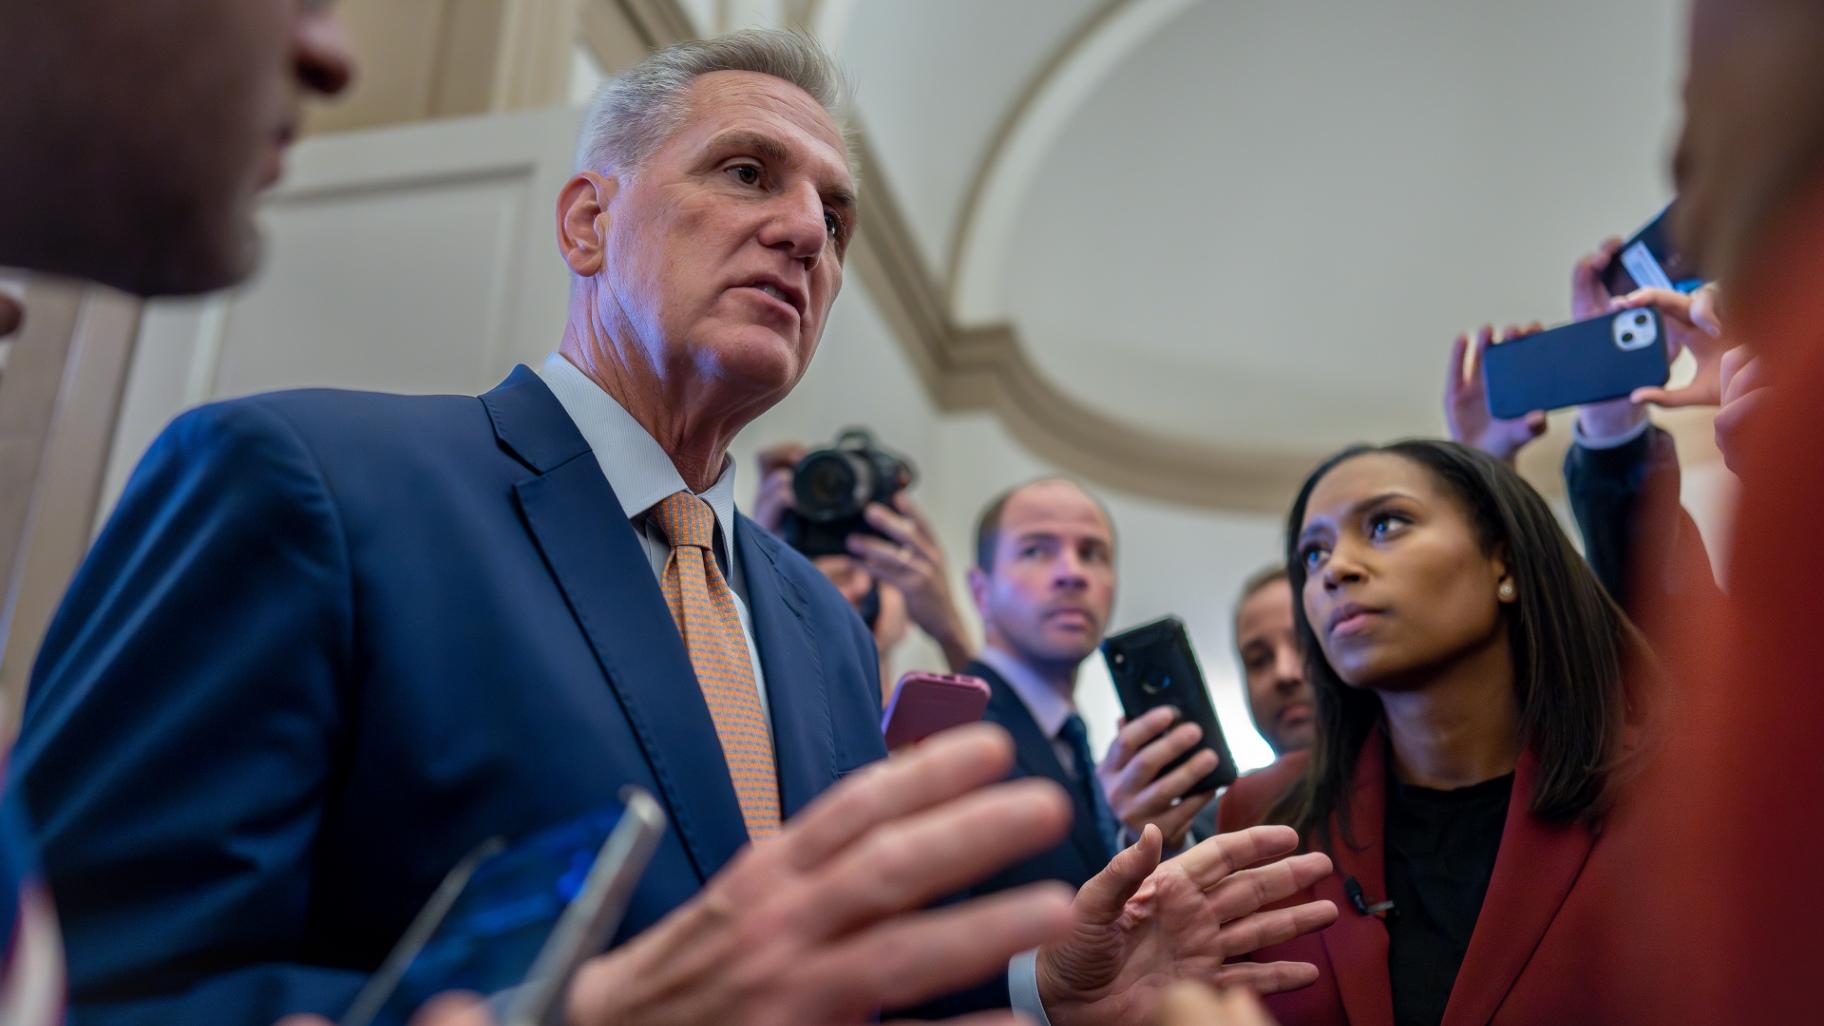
(642, 475)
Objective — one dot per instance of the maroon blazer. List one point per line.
(1536, 956)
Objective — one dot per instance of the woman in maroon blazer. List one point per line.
(1473, 736)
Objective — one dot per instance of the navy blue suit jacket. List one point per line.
(328, 642)
(1082, 854)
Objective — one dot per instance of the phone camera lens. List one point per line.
(1627, 336)
(1641, 320)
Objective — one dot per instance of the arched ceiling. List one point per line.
(1251, 227)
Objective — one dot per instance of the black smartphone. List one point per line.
(1602, 358)
(514, 921)
(1652, 259)
(1154, 665)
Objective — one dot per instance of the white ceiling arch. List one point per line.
(976, 282)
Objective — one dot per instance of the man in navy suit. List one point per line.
(1044, 582)
(331, 640)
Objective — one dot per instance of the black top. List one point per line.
(1441, 848)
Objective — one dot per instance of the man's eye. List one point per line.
(832, 223)
(746, 174)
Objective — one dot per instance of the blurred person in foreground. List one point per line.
(459, 617)
(1475, 736)
(140, 138)
(1726, 925)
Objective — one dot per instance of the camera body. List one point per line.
(831, 487)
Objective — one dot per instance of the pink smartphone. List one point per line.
(925, 703)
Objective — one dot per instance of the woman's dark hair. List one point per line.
(1572, 647)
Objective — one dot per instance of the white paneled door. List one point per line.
(413, 259)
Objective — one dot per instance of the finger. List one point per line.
(979, 1019)
(1178, 783)
(883, 555)
(1536, 423)
(781, 456)
(1729, 419)
(1174, 821)
(1153, 758)
(912, 958)
(1704, 312)
(1694, 394)
(1672, 304)
(1275, 926)
(948, 764)
(1459, 373)
(912, 511)
(1251, 890)
(1213, 860)
(915, 860)
(1608, 248)
(892, 524)
(1100, 901)
(1749, 375)
(1267, 977)
(1134, 736)
(453, 1010)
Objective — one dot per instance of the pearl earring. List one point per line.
(1507, 591)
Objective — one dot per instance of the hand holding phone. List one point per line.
(1154, 666)
(1591, 361)
(925, 703)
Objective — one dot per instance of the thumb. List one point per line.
(1667, 398)
(1101, 900)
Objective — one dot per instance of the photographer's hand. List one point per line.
(1139, 790)
(1693, 326)
(775, 495)
(910, 560)
(1466, 399)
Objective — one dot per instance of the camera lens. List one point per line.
(828, 486)
(1641, 320)
(1627, 336)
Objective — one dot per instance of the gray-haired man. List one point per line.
(349, 635)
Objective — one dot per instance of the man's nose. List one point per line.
(322, 58)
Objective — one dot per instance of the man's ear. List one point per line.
(978, 589)
(582, 221)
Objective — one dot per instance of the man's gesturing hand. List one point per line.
(815, 927)
(1129, 943)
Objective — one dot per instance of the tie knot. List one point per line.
(1075, 731)
(686, 520)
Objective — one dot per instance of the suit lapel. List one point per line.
(798, 697)
(1537, 866)
(1037, 758)
(1357, 944)
(591, 550)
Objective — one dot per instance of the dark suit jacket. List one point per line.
(328, 642)
(1081, 855)
(1537, 956)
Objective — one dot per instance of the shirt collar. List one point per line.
(1049, 709)
(637, 468)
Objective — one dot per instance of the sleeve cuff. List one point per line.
(1609, 441)
(1023, 986)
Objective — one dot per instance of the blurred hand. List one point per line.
(816, 926)
(910, 559)
(775, 495)
(1193, 1004)
(1466, 399)
(1130, 775)
(1693, 326)
(12, 315)
(1590, 298)
(1746, 388)
(1128, 943)
(446, 1010)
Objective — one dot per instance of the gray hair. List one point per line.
(634, 112)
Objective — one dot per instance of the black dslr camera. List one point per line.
(831, 487)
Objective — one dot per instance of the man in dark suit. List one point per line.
(1044, 583)
(329, 641)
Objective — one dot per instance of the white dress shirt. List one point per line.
(642, 475)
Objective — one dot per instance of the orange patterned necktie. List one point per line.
(704, 608)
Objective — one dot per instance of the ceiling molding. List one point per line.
(985, 367)
(984, 231)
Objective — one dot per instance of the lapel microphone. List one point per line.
(1382, 910)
